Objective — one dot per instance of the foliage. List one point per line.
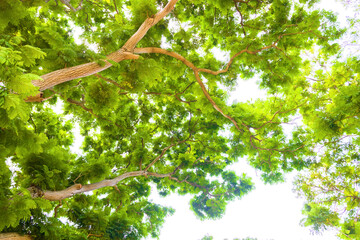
(162, 119)
(330, 184)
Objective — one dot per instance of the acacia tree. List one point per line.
(149, 97)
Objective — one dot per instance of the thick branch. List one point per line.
(78, 188)
(67, 74)
(148, 23)
(14, 236)
(116, 9)
(197, 70)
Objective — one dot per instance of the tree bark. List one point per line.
(126, 52)
(13, 236)
(78, 188)
(67, 74)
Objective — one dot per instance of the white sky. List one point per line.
(270, 212)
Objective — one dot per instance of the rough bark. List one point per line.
(67, 74)
(78, 188)
(13, 236)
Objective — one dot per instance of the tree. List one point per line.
(149, 97)
(331, 184)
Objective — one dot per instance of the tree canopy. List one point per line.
(142, 83)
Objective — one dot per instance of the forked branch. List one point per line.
(197, 70)
(67, 74)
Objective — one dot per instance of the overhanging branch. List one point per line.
(125, 53)
(197, 70)
(78, 188)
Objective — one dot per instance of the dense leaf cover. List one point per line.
(151, 105)
(331, 183)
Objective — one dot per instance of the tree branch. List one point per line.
(148, 23)
(196, 72)
(67, 3)
(78, 188)
(169, 175)
(253, 52)
(117, 11)
(67, 74)
(163, 153)
(14, 236)
(241, 16)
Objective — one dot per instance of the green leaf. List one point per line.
(30, 54)
(22, 84)
(16, 107)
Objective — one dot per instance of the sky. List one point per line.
(270, 212)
